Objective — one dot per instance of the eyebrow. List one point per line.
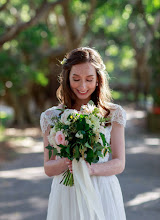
(78, 75)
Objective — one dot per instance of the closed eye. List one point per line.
(87, 80)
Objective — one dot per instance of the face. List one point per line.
(83, 79)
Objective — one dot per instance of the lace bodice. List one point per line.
(117, 113)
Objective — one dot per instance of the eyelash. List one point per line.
(87, 80)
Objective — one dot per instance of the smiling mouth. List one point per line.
(82, 93)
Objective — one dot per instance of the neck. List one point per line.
(78, 105)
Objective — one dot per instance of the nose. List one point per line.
(82, 86)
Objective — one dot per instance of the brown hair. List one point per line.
(102, 94)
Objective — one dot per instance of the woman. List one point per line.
(84, 78)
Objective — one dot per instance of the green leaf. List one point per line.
(68, 150)
(99, 148)
(77, 154)
(49, 147)
(105, 151)
(99, 153)
(41, 78)
(61, 146)
(109, 149)
(108, 144)
(50, 154)
(103, 139)
(60, 109)
(55, 151)
(88, 146)
(90, 155)
(83, 132)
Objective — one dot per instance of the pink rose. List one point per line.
(60, 138)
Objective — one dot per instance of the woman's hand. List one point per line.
(90, 168)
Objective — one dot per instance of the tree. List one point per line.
(34, 36)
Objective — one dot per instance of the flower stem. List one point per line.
(67, 178)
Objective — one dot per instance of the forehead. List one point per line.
(83, 69)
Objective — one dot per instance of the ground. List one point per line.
(24, 188)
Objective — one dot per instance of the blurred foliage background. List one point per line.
(35, 35)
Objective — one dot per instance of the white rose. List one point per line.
(65, 115)
(88, 122)
(51, 136)
(95, 122)
(51, 139)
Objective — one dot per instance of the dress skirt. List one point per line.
(63, 203)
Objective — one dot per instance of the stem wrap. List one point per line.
(84, 186)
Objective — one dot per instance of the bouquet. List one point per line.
(78, 134)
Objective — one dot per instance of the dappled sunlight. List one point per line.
(15, 215)
(37, 202)
(144, 197)
(31, 173)
(34, 201)
(27, 145)
(152, 141)
(10, 204)
(38, 207)
(23, 132)
(148, 145)
(143, 149)
(136, 114)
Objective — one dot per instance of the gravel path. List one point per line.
(24, 188)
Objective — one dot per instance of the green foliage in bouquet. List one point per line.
(78, 134)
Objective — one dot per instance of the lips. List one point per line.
(82, 93)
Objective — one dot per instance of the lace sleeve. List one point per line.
(46, 118)
(43, 122)
(119, 116)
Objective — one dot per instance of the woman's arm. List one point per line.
(117, 164)
(52, 166)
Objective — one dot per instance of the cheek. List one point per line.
(92, 84)
(73, 84)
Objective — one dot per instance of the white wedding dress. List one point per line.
(63, 203)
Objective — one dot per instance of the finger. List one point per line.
(68, 162)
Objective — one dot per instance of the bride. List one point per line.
(84, 78)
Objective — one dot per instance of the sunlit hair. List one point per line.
(102, 94)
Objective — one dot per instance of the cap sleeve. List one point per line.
(119, 116)
(43, 122)
(46, 118)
